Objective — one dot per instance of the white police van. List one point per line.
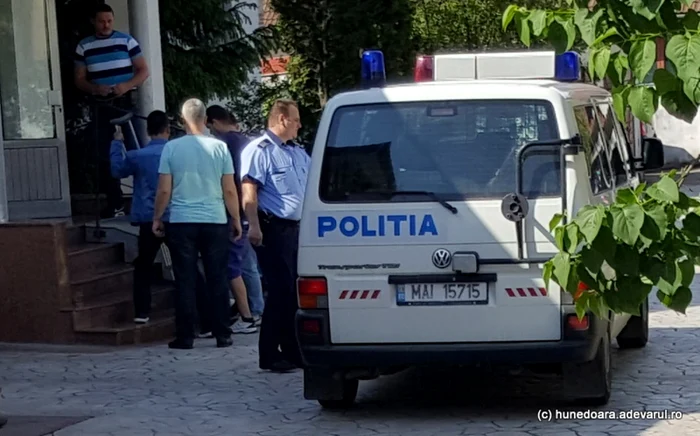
(425, 224)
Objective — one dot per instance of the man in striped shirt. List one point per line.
(109, 65)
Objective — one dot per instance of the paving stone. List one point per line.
(151, 390)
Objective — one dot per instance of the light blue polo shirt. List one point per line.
(281, 172)
(196, 163)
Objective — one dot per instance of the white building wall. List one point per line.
(681, 139)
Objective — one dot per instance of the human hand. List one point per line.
(158, 228)
(255, 235)
(118, 135)
(237, 230)
(102, 90)
(121, 89)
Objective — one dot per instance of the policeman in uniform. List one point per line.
(274, 172)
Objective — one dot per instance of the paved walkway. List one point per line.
(207, 391)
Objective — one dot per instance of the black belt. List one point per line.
(270, 218)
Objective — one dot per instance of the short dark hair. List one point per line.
(280, 107)
(157, 123)
(104, 7)
(218, 113)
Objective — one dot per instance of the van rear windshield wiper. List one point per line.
(430, 194)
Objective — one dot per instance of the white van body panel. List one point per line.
(358, 249)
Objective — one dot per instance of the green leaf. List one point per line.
(559, 235)
(664, 81)
(691, 88)
(562, 270)
(684, 52)
(665, 275)
(640, 188)
(589, 220)
(665, 190)
(620, 100)
(522, 25)
(691, 20)
(592, 260)
(687, 269)
(679, 105)
(604, 243)
(584, 276)
(508, 15)
(679, 301)
(642, 57)
(556, 219)
(620, 66)
(627, 261)
(657, 215)
(627, 222)
(538, 19)
(646, 8)
(632, 293)
(562, 34)
(625, 196)
(608, 33)
(591, 63)
(587, 23)
(643, 103)
(602, 59)
(571, 239)
(691, 223)
(547, 273)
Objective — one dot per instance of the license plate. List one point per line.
(432, 294)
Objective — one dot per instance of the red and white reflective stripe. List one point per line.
(360, 295)
(526, 292)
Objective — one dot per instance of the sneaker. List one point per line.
(244, 327)
(257, 320)
(119, 212)
(205, 335)
(141, 320)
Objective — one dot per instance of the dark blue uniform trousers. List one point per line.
(278, 261)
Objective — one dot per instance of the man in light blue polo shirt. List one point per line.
(274, 171)
(196, 179)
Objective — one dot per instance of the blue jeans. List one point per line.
(251, 276)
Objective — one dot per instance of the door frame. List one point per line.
(61, 208)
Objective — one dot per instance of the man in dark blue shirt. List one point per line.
(243, 263)
(142, 164)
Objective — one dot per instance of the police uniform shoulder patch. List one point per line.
(264, 142)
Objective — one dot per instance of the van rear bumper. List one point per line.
(317, 351)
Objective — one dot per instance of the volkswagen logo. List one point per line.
(442, 258)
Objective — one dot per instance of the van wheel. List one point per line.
(636, 332)
(591, 382)
(348, 395)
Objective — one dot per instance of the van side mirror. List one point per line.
(652, 154)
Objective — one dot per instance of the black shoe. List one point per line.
(279, 366)
(223, 342)
(3, 421)
(181, 344)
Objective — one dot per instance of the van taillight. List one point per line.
(312, 293)
(424, 69)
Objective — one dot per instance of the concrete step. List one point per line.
(161, 327)
(86, 259)
(117, 309)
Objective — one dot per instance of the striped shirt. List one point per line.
(108, 60)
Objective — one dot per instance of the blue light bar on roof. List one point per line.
(373, 71)
(567, 67)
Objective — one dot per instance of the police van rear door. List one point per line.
(407, 179)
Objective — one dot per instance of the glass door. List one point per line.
(36, 171)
